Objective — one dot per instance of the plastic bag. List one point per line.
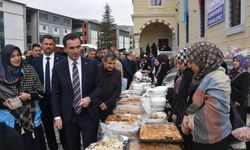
(242, 133)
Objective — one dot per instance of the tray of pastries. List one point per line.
(160, 133)
(129, 109)
(153, 146)
(122, 118)
(132, 100)
(106, 145)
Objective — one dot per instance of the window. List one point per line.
(1, 4)
(66, 21)
(56, 19)
(235, 16)
(43, 16)
(57, 40)
(178, 34)
(235, 11)
(1, 24)
(155, 2)
(85, 33)
(187, 29)
(66, 31)
(85, 41)
(29, 41)
(85, 25)
(43, 29)
(56, 30)
(1, 42)
(202, 18)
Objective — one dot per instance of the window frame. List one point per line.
(238, 28)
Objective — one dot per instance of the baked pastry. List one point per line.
(122, 118)
(153, 146)
(160, 132)
(132, 100)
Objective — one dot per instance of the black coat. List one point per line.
(111, 89)
(181, 101)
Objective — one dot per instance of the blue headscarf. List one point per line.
(242, 68)
(8, 73)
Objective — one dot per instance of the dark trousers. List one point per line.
(33, 143)
(48, 124)
(222, 145)
(84, 125)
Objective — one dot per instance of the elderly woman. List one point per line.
(208, 114)
(19, 92)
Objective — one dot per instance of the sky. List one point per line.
(88, 9)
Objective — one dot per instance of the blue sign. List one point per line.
(215, 12)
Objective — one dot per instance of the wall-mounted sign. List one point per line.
(215, 11)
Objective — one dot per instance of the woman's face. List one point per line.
(156, 62)
(179, 65)
(236, 63)
(194, 67)
(15, 59)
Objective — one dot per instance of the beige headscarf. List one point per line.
(207, 56)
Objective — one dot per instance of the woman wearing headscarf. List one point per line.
(207, 117)
(181, 101)
(20, 82)
(240, 82)
(161, 67)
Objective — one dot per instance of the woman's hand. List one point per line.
(184, 126)
(7, 104)
(24, 96)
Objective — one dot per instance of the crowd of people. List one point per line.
(76, 92)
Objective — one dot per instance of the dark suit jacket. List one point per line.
(62, 91)
(37, 63)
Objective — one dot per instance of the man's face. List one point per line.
(48, 46)
(73, 49)
(92, 54)
(36, 51)
(104, 52)
(109, 64)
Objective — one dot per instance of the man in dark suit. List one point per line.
(44, 65)
(75, 95)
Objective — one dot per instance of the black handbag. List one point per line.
(235, 118)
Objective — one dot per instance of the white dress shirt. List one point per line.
(79, 67)
(51, 64)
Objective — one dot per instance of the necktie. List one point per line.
(76, 89)
(47, 77)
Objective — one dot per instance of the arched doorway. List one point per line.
(156, 31)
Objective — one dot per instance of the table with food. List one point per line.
(139, 121)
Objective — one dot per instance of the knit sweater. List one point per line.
(210, 108)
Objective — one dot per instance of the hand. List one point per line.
(7, 104)
(184, 126)
(236, 104)
(85, 102)
(174, 117)
(103, 106)
(24, 96)
(58, 124)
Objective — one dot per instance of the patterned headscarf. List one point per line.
(242, 68)
(9, 74)
(182, 56)
(207, 56)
